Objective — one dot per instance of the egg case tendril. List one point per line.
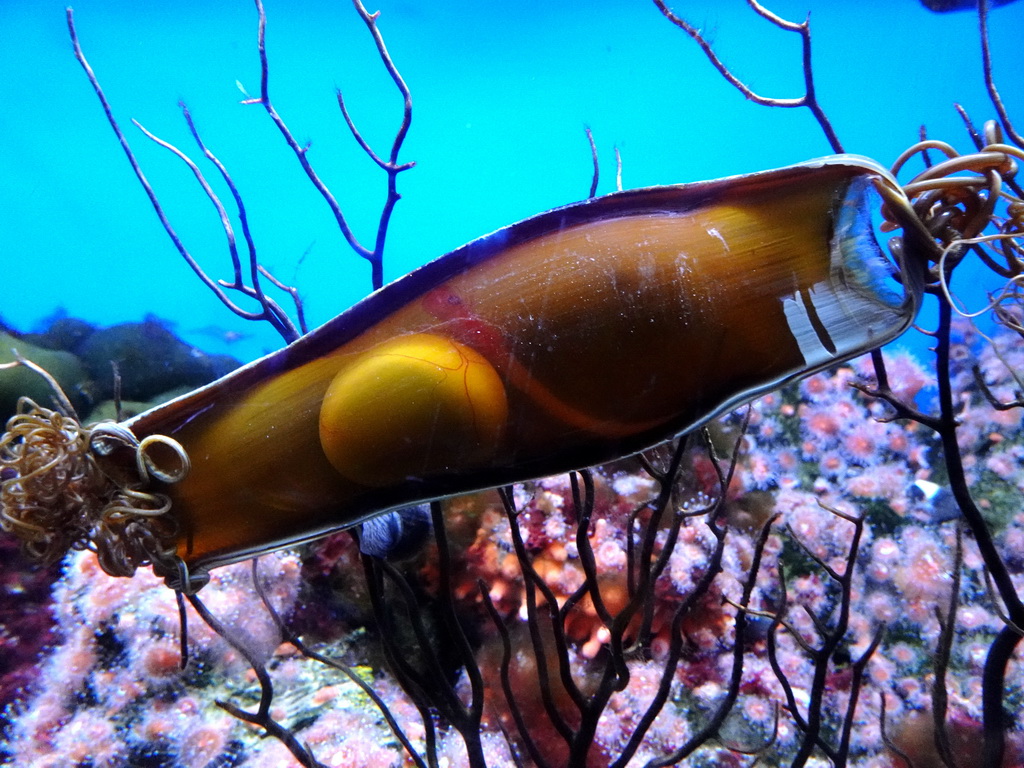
(61, 488)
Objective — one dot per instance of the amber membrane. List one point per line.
(611, 324)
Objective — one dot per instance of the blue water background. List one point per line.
(501, 92)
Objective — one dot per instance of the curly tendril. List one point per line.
(969, 203)
(49, 494)
(58, 492)
(965, 204)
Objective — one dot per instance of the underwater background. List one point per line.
(501, 95)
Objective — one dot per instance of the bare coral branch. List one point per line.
(809, 99)
(943, 651)
(1002, 648)
(270, 311)
(990, 82)
(596, 176)
(375, 255)
(261, 717)
(995, 402)
(858, 668)
(392, 166)
(274, 312)
(714, 724)
(883, 391)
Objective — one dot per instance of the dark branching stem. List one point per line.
(466, 719)
(856, 683)
(673, 658)
(831, 633)
(578, 728)
(410, 679)
(711, 728)
(391, 166)
(822, 656)
(994, 676)
(261, 717)
(425, 681)
(506, 679)
(270, 311)
(809, 99)
(290, 637)
(893, 747)
(255, 268)
(883, 391)
(615, 675)
(990, 82)
(532, 583)
(943, 652)
(995, 402)
(596, 175)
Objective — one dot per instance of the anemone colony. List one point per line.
(117, 661)
(830, 575)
